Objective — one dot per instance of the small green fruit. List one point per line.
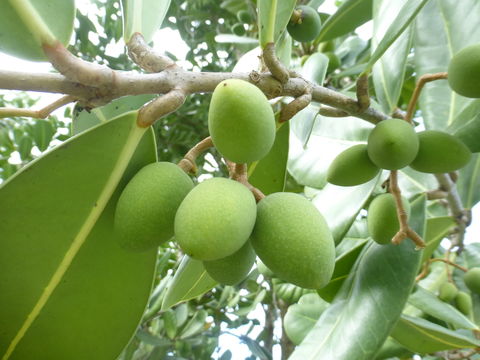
(472, 280)
(447, 292)
(463, 302)
(464, 72)
(241, 121)
(307, 27)
(215, 219)
(145, 211)
(234, 268)
(352, 167)
(440, 152)
(382, 220)
(333, 62)
(244, 17)
(238, 29)
(292, 238)
(392, 144)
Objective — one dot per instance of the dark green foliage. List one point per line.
(238, 29)
(464, 72)
(307, 27)
(472, 279)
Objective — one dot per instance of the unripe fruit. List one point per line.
(463, 302)
(215, 219)
(447, 292)
(333, 62)
(382, 220)
(244, 17)
(307, 27)
(145, 211)
(241, 121)
(352, 167)
(392, 144)
(440, 152)
(263, 269)
(464, 72)
(292, 238)
(238, 29)
(472, 280)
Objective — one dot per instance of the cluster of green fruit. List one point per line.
(218, 221)
(394, 144)
(448, 292)
(305, 24)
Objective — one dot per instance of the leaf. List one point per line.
(347, 18)
(195, 325)
(243, 311)
(392, 349)
(270, 172)
(437, 229)
(369, 302)
(430, 304)
(43, 132)
(439, 33)
(300, 318)
(401, 21)
(143, 16)
(267, 15)
(315, 68)
(466, 126)
(468, 182)
(25, 145)
(190, 280)
(151, 339)
(422, 336)
(389, 71)
(169, 323)
(58, 249)
(26, 25)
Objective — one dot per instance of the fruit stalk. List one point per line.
(187, 164)
(238, 172)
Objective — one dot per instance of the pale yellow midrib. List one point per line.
(122, 162)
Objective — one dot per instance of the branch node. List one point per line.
(296, 105)
(188, 162)
(161, 106)
(277, 69)
(145, 57)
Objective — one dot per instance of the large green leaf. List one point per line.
(402, 20)
(422, 336)
(469, 182)
(190, 280)
(143, 16)
(315, 68)
(66, 284)
(437, 229)
(369, 302)
(466, 126)
(26, 25)
(442, 28)
(269, 173)
(273, 14)
(347, 18)
(388, 73)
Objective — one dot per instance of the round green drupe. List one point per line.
(293, 240)
(215, 219)
(463, 302)
(440, 152)
(447, 292)
(233, 268)
(464, 72)
(472, 279)
(307, 27)
(241, 121)
(352, 167)
(145, 211)
(392, 144)
(382, 220)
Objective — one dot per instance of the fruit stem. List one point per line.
(296, 105)
(273, 63)
(363, 98)
(446, 261)
(405, 230)
(37, 114)
(238, 172)
(418, 89)
(187, 164)
(451, 263)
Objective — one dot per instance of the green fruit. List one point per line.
(463, 302)
(263, 269)
(292, 238)
(352, 167)
(241, 121)
(392, 144)
(244, 17)
(333, 62)
(440, 152)
(238, 29)
(234, 268)
(447, 292)
(215, 219)
(307, 27)
(382, 220)
(145, 211)
(472, 280)
(464, 72)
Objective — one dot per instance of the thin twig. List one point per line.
(448, 262)
(332, 112)
(296, 105)
(273, 63)
(188, 162)
(161, 106)
(37, 114)
(239, 173)
(363, 98)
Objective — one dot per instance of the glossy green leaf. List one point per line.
(25, 145)
(301, 318)
(43, 132)
(59, 260)
(466, 126)
(469, 182)
(413, 182)
(382, 278)
(190, 280)
(430, 304)
(440, 32)
(392, 349)
(283, 49)
(315, 3)
(401, 21)
(273, 15)
(422, 336)
(143, 16)
(389, 71)
(26, 25)
(195, 325)
(243, 311)
(315, 68)
(437, 229)
(350, 15)
(269, 173)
